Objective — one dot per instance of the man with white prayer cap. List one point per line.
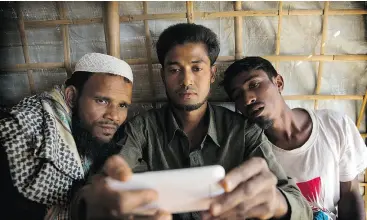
(50, 142)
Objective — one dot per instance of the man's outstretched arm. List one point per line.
(351, 205)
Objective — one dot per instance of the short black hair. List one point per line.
(183, 33)
(247, 64)
(78, 80)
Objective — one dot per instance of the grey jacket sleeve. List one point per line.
(133, 142)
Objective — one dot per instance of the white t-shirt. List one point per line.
(334, 153)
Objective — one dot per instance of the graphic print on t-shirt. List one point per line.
(311, 190)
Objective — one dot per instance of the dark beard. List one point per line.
(90, 148)
(187, 108)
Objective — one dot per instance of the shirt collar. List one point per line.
(173, 127)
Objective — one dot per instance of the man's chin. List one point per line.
(103, 139)
(188, 106)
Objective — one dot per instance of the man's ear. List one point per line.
(280, 83)
(71, 94)
(213, 72)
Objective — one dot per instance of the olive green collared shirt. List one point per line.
(156, 140)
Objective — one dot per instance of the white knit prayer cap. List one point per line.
(102, 63)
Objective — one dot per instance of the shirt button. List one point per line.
(195, 159)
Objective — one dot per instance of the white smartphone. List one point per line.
(179, 190)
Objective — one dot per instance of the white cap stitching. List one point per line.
(102, 63)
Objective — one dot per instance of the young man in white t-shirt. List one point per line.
(321, 150)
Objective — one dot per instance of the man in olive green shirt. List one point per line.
(190, 132)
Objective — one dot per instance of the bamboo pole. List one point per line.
(224, 14)
(165, 16)
(65, 38)
(52, 23)
(339, 12)
(226, 59)
(301, 58)
(238, 28)
(322, 51)
(24, 42)
(30, 66)
(203, 15)
(361, 112)
(365, 190)
(358, 124)
(112, 28)
(148, 45)
(323, 97)
(350, 58)
(190, 11)
(305, 12)
(136, 61)
(272, 13)
(277, 43)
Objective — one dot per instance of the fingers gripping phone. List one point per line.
(179, 190)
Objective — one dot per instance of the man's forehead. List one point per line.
(106, 78)
(111, 83)
(192, 52)
(245, 76)
(193, 60)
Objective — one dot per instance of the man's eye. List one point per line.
(197, 69)
(101, 101)
(124, 106)
(174, 70)
(254, 85)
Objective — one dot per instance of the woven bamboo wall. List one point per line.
(121, 16)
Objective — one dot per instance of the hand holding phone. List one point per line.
(179, 190)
